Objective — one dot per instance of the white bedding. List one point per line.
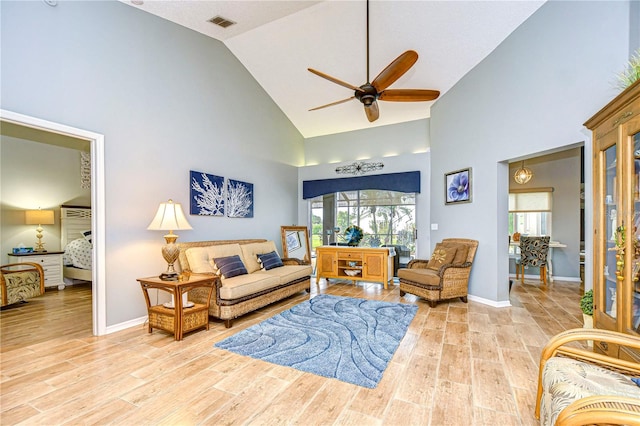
(78, 253)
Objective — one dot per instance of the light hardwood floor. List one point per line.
(459, 364)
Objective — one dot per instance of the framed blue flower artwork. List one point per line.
(457, 186)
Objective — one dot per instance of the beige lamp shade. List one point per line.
(38, 217)
(169, 217)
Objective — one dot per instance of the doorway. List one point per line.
(96, 143)
(561, 176)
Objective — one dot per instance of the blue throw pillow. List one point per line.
(270, 260)
(230, 266)
(636, 381)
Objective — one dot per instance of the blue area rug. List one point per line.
(344, 338)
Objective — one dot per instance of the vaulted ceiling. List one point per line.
(278, 40)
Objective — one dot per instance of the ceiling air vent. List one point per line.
(222, 22)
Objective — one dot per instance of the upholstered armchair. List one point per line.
(534, 252)
(20, 281)
(444, 276)
(577, 386)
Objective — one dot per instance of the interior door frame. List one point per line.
(96, 140)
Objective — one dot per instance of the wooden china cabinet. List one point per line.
(616, 172)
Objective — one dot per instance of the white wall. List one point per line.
(531, 95)
(36, 175)
(168, 100)
(384, 141)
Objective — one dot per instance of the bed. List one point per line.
(75, 233)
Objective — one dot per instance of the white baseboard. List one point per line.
(127, 324)
(492, 303)
(570, 279)
(555, 278)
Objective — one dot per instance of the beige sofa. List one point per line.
(238, 295)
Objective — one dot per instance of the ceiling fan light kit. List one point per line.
(370, 92)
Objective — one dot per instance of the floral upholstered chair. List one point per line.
(533, 252)
(577, 386)
(444, 276)
(20, 281)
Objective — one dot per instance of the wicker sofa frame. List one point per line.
(228, 310)
(454, 278)
(597, 409)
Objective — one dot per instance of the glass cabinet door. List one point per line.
(610, 255)
(633, 297)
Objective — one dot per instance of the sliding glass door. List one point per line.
(386, 217)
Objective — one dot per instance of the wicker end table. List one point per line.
(178, 319)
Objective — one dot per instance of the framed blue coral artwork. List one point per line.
(457, 186)
(239, 201)
(207, 194)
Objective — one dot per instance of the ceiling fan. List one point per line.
(370, 92)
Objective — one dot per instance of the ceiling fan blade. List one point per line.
(372, 112)
(333, 103)
(408, 95)
(395, 70)
(335, 80)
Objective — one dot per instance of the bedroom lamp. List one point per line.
(523, 174)
(169, 218)
(39, 217)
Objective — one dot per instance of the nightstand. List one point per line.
(178, 319)
(51, 262)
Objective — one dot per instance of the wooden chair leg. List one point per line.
(517, 270)
(543, 274)
(522, 274)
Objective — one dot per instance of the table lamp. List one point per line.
(39, 217)
(169, 218)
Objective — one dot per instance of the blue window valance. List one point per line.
(401, 182)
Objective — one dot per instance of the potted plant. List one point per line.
(631, 73)
(586, 305)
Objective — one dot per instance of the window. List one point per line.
(317, 210)
(386, 217)
(530, 212)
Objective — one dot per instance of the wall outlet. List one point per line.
(434, 226)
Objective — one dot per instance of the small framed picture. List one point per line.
(293, 241)
(457, 186)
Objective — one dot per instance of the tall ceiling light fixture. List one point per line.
(523, 174)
